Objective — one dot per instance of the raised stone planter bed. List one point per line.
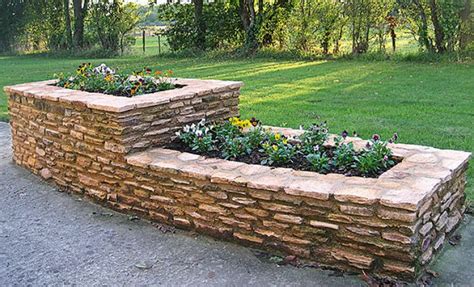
(108, 148)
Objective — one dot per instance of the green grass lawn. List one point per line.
(426, 103)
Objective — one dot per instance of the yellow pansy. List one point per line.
(277, 137)
(275, 147)
(109, 78)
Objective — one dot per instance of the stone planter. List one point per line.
(108, 148)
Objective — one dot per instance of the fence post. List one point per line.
(143, 36)
(159, 44)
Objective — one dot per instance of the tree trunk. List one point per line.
(200, 25)
(466, 34)
(438, 30)
(80, 10)
(67, 20)
(423, 33)
(244, 14)
(394, 38)
(247, 14)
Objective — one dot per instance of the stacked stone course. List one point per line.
(108, 148)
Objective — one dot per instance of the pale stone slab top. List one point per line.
(407, 185)
(110, 103)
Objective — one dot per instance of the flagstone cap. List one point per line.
(191, 88)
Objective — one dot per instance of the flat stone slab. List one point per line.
(110, 103)
(53, 238)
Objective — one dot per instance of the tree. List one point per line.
(249, 22)
(466, 33)
(80, 13)
(67, 21)
(111, 21)
(200, 25)
(11, 22)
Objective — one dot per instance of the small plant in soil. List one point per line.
(102, 79)
(248, 141)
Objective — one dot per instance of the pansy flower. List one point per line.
(344, 134)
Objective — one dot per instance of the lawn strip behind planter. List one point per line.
(110, 149)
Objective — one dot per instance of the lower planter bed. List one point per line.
(110, 151)
(389, 226)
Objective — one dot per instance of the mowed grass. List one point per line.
(426, 103)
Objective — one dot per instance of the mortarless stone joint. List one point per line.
(109, 149)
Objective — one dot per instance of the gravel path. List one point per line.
(53, 238)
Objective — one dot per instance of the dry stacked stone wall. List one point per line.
(108, 148)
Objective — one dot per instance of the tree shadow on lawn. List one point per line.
(428, 104)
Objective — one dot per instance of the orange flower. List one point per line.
(158, 73)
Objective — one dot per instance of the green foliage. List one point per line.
(11, 23)
(375, 158)
(278, 152)
(226, 130)
(256, 136)
(319, 162)
(103, 79)
(223, 27)
(110, 23)
(234, 147)
(313, 137)
(198, 137)
(344, 154)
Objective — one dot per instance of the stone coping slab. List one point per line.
(110, 103)
(408, 185)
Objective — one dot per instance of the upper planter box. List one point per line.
(109, 149)
(129, 124)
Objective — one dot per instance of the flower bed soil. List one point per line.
(299, 161)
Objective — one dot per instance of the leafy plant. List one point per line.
(256, 136)
(343, 156)
(248, 141)
(103, 79)
(314, 136)
(226, 130)
(278, 153)
(375, 158)
(319, 162)
(233, 148)
(198, 137)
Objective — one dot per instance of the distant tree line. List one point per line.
(320, 26)
(66, 24)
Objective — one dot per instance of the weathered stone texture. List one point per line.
(392, 225)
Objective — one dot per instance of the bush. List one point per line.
(223, 26)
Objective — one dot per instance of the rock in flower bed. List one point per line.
(248, 141)
(102, 79)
